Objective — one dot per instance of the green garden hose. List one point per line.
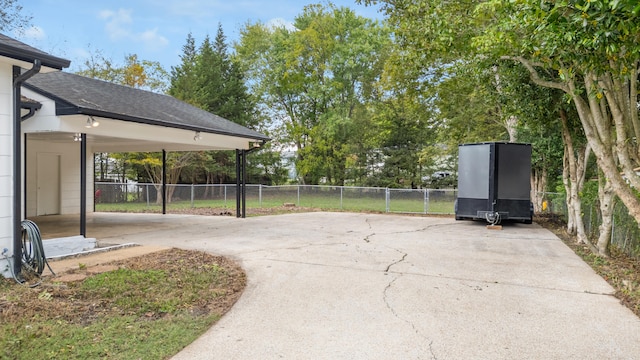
(33, 257)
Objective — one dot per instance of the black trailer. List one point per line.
(494, 182)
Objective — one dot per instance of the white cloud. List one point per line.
(118, 23)
(119, 26)
(152, 39)
(34, 33)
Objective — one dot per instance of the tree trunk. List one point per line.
(511, 124)
(158, 188)
(538, 187)
(596, 124)
(571, 225)
(574, 167)
(510, 121)
(607, 161)
(207, 182)
(606, 198)
(174, 168)
(170, 190)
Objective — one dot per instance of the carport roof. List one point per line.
(15, 49)
(79, 95)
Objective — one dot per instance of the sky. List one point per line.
(155, 30)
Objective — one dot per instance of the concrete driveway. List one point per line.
(367, 286)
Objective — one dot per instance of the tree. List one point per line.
(183, 77)
(141, 74)
(589, 50)
(152, 165)
(315, 82)
(405, 135)
(211, 79)
(467, 106)
(147, 75)
(11, 17)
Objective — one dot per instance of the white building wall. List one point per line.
(69, 153)
(6, 164)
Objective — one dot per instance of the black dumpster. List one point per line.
(494, 182)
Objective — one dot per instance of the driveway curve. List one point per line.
(370, 286)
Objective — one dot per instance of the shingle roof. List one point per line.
(27, 103)
(15, 49)
(75, 94)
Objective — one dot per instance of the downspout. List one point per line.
(18, 79)
(24, 179)
(32, 111)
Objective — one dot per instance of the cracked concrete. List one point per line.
(404, 256)
(366, 286)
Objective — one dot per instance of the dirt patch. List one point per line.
(277, 210)
(65, 278)
(99, 269)
(61, 297)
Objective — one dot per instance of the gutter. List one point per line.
(18, 79)
(32, 109)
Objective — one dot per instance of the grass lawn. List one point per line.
(149, 307)
(328, 203)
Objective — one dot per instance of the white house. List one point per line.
(18, 61)
(51, 123)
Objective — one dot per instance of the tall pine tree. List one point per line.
(208, 77)
(183, 84)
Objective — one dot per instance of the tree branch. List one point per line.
(535, 76)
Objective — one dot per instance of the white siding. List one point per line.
(69, 175)
(6, 163)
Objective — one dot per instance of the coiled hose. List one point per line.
(32, 248)
(33, 257)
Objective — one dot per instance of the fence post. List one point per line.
(192, 195)
(298, 195)
(260, 195)
(225, 195)
(613, 230)
(426, 200)
(387, 199)
(341, 187)
(146, 187)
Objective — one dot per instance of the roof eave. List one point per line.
(63, 108)
(29, 56)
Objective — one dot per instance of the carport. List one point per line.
(67, 118)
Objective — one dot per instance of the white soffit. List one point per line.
(120, 136)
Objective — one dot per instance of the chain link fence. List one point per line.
(625, 233)
(147, 197)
